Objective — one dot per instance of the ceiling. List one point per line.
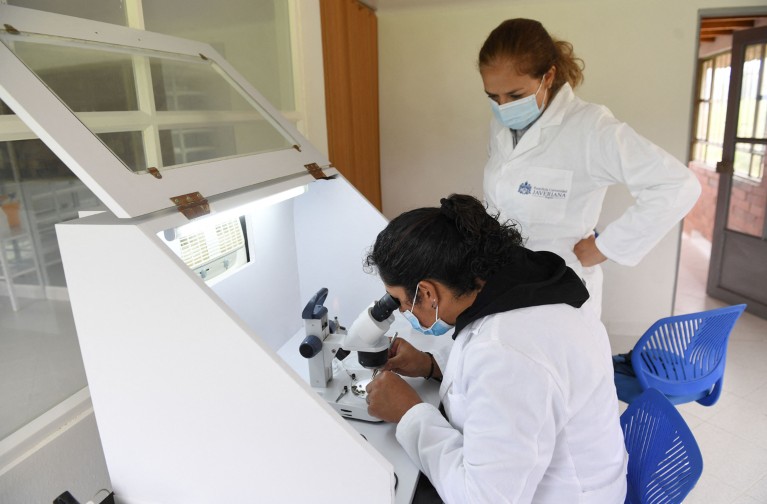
(710, 28)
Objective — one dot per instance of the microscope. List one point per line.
(327, 345)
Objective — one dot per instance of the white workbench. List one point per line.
(381, 435)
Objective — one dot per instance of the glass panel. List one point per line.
(707, 72)
(761, 113)
(713, 154)
(86, 80)
(698, 150)
(703, 118)
(253, 36)
(190, 145)
(757, 162)
(721, 87)
(5, 109)
(188, 94)
(128, 146)
(108, 11)
(748, 195)
(191, 86)
(749, 160)
(742, 163)
(749, 94)
(37, 191)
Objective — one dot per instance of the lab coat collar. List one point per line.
(555, 112)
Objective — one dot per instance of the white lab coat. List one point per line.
(554, 182)
(532, 409)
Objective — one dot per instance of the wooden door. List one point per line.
(350, 54)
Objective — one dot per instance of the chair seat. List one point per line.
(683, 356)
(629, 388)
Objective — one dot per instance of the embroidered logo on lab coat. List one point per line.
(542, 192)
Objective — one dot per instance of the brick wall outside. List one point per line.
(747, 204)
(701, 217)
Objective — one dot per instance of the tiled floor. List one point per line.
(732, 434)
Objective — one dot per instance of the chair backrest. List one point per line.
(685, 354)
(664, 458)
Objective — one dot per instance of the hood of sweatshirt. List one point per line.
(531, 279)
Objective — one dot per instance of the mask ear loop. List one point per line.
(545, 103)
(434, 304)
(415, 297)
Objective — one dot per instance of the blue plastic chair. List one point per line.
(683, 356)
(664, 458)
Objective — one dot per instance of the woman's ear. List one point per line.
(550, 76)
(428, 290)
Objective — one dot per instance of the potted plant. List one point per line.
(11, 207)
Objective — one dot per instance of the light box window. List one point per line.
(210, 251)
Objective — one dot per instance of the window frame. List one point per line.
(705, 100)
(95, 164)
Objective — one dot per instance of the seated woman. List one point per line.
(530, 409)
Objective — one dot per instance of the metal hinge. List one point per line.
(192, 205)
(315, 171)
(154, 172)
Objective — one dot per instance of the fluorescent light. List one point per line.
(199, 225)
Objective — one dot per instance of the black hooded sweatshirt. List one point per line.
(530, 279)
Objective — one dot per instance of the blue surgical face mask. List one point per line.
(438, 328)
(519, 114)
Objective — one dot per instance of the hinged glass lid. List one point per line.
(141, 117)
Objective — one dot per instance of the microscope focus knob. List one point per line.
(311, 346)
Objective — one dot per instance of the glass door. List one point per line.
(738, 271)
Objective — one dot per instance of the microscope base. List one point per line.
(348, 404)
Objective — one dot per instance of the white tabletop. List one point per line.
(381, 434)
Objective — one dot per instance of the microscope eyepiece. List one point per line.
(383, 308)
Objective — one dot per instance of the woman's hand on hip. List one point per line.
(587, 252)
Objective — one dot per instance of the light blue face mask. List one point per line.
(438, 328)
(519, 114)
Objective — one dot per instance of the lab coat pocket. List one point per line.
(535, 194)
(455, 407)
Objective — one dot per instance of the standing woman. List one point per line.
(530, 410)
(552, 157)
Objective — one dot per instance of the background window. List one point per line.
(41, 367)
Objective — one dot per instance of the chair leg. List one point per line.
(712, 396)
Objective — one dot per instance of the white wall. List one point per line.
(640, 62)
